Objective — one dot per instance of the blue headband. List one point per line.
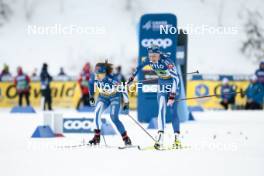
(100, 69)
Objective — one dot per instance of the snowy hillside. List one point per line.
(118, 41)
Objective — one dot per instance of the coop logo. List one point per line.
(77, 125)
(163, 43)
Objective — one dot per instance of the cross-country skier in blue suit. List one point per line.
(110, 94)
(169, 89)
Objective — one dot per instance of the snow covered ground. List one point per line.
(222, 143)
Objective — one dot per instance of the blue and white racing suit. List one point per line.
(109, 96)
(168, 82)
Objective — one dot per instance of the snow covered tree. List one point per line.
(253, 46)
(5, 12)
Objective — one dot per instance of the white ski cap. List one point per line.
(225, 80)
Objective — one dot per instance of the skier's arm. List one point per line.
(125, 96)
(139, 67)
(175, 76)
(92, 83)
(50, 78)
(176, 81)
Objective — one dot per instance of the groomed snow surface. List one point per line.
(223, 143)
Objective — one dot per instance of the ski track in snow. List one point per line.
(222, 143)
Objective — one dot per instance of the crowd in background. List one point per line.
(254, 93)
(22, 83)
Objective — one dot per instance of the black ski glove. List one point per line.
(126, 106)
(130, 80)
(92, 100)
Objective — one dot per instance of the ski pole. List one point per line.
(136, 122)
(206, 96)
(104, 139)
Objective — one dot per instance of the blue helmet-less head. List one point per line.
(154, 49)
(100, 69)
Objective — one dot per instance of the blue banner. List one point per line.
(150, 33)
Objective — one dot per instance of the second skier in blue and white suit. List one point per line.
(168, 82)
(110, 94)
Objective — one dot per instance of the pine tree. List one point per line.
(253, 46)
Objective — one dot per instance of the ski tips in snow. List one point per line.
(164, 148)
(128, 147)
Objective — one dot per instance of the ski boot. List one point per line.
(96, 138)
(159, 144)
(126, 139)
(177, 143)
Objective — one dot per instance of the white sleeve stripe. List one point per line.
(174, 74)
(175, 84)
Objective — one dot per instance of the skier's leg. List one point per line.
(176, 125)
(27, 95)
(114, 114)
(161, 119)
(20, 96)
(98, 112)
(175, 119)
(50, 102)
(46, 100)
(162, 112)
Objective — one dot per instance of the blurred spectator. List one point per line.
(22, 82)
(5, 72)
(45, 80)
(84, 82)
(34, 73)
(254, 94)
(62, 73)
(260, 73)
(227, 93)
(118, 74)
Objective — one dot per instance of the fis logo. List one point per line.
(75, 125)
(155, 25)
(147, 25)
(164, 43)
